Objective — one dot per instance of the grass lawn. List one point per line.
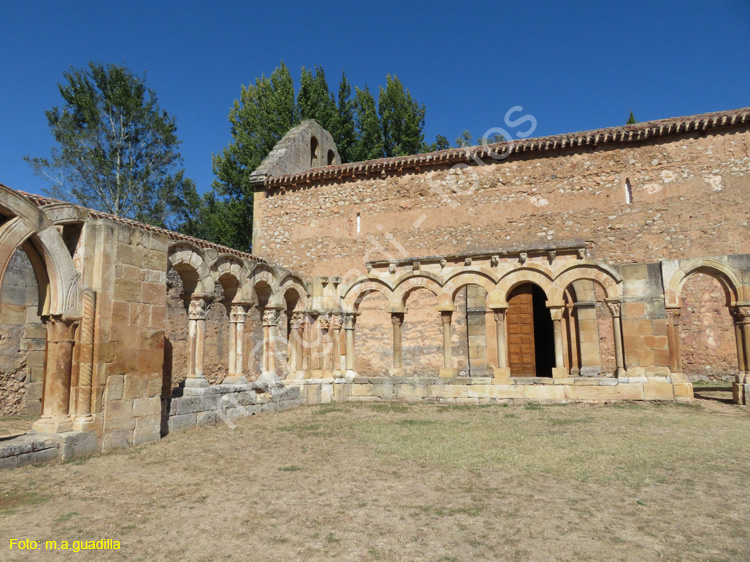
(635, 482)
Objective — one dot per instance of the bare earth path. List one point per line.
(397, 482)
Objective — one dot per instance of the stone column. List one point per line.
(197, 339)
(349, 323)
(335, 329)
(58, 367)
(502, 371)
(447, 370)
(741, 387)
(743, 315)
(614, 308)
(85, 362)
(559, 370)
(397, 320)
(237, 317)
(297, 325)
(570, 316)
(741, 364)
(673, 339)
(270, 322)
(324, 324)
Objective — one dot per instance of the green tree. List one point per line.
(369, 144)
(315, 100)
(343, 130)
(631, 120)
(117, 150)
(401, 119)
(262, 115)
(464, 140)
(441, 143)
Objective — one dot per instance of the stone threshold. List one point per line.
(34, 447)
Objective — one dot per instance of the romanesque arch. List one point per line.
(190, 262)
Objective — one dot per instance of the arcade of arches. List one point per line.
(115, 333)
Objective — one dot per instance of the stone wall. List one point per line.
(689, 199)
(132, 316)
(22, 340)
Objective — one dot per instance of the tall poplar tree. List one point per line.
(401, 119)
(117, 150)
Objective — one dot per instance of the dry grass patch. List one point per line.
(636, 482)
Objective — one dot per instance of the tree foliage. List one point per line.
(401, 119)
(117, 150)
(631, 120)
(362, 127)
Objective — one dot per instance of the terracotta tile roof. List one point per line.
(612, 135)
(41, 201)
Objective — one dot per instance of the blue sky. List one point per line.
(572, 65)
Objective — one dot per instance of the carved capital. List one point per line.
(297, 321)
(673, 316)
(237, 314)
(445, 316)
(742, 315)
(197, 309)
(270, 317)
(349, 321)
(397, 318)
(614, 308)
(324, 322)
(500, 315)
(335, 322)
(62, 329)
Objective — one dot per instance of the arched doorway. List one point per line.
(531, 344)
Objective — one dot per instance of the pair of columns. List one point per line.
(197, 312)
(59, 398)
(301, 348)
(397, 322)
(741, 317)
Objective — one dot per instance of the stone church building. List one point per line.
(595, 266)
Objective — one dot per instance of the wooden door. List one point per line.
(521, 351)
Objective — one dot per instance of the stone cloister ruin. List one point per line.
(595, 266)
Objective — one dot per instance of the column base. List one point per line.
(271, 378)
(677, 376)
(50, 425)
(83, 423)
(741, 394)
(397, 371)
(501, 373)
(623, 373)
(560, 373)
(448, 372)
(351, 374)
(235, 379)
(338, 374)
(741, 377)
(194, 385)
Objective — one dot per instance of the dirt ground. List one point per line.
(630, 482)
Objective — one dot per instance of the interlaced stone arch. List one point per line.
(464, 277)
(26, 224)
(406, 284)
(360, 288)
(601, 274)
(727, 276)
(231, 272)
(294, 283)
(190, 262)
(531, 273)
